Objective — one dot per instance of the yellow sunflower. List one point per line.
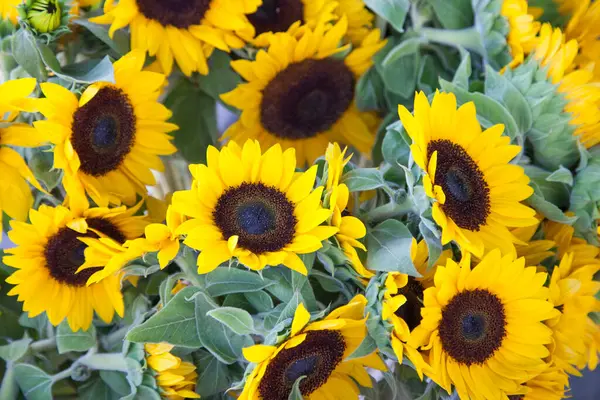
(584, 26)
(573, 291)
(185, 31)
(566, 242)
(254, 207)
(49, 252)
(108, 141)
(8, 10)
(577, 85)
(301, 97)
(295, 16)
(403, 302)
(15, 194)
(549, 385)
(350, 228)
(534, 251)
(175, 378)
(523, 29)
(482, 327)
(318, 351)
(467, 172)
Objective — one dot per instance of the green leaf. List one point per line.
(369, 90)
(117, 381)
(501, 89)
(96, 390)
(213, 375)
(215, 336)
(455, 14)
(548, 209)
(260, 300)
(15, 350)
(489, 111)
(221, 77)
(119, 43)
(295, 393)
(389, 246)
(236, 319)
(195, 114)
(393, 11)
(561, 175)
(223, 281)
(86, 72)
(463, 73)
(34, 383)
(146, 393)
(396, 145)
(362, 179)
(174, 324)
(400, 68)
(290, 309)
(67, 340)
(24, 50)
(41, 164)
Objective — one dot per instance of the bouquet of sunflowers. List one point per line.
(299, 199)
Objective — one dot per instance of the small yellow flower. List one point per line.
(175, 378)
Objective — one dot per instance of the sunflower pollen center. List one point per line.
(467, 192)
(178, 13)
(315, 358)
(105, 132)
(276, 15)
(472, 327)
(261, 216)
(307, 98)
(256, 218)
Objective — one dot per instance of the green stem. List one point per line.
(43, 345)
(9, 389)
(390, 210)
(113, 338)
(67, 372)
(469, 38)
(187, 264)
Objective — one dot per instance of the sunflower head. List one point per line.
(254, 207)
(109, 139)
(176, 379)
(477, 192)
(317, 351)
(47, 18)
(182, 31)
(300, 96)
(573, 291)
(476, 322)
(523, 29)
(50, 253)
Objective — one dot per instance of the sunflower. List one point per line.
(575, 84)
(175, 378)
(254, 207)
(318, 351)
(294, 16)
(108, 141)
(186, 31)
(549, 385)
(523, 29)
(583, 26)
(573, 291)
(534, 251)
(15, 193)
(403, 301)
(482, 327)
(49, 252)
(301, 97)
(477, 191)
(8, 10)
(350, 228)
(566, 242)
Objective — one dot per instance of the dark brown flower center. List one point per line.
(472, 326)
(64, 252)
(410, 311)
(276, 15)
(104, 131)
(315, 358)
(307, 98)
(467, 192)
(178, 13)
(260, 215)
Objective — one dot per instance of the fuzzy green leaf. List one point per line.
(223, 281)
(393, 11)
(215, 336)
(455, 14)
(236, 319)
(213, 375)
(119, 43)
(389, 246)
(15, 350)
(67, 340)
(295, 393)
(34, 383)
(25, 52)
(362, 179)
(174, 324)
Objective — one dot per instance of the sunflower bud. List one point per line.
(44, 15)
